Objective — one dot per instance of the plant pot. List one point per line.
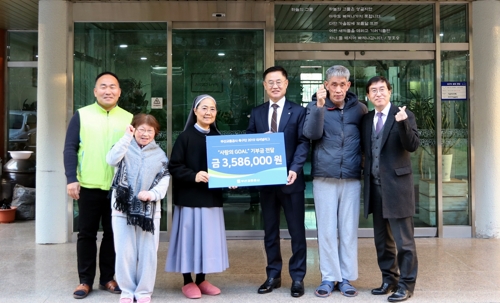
(447, 160)
(8, 215)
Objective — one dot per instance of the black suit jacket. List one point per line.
(399, 139)
(296, 145)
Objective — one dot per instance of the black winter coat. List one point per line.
(335, 135)
(399, 139)
(189, 156)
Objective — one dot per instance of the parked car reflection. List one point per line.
(22, 130)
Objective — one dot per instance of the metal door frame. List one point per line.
(184, 25)
(358, 52)
(241, 15)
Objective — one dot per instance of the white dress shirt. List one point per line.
(281, 104)
(385, 113)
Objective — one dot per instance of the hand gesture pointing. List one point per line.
(401, 115)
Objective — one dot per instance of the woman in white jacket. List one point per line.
(141, 181)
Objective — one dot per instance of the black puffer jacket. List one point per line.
(335, 136)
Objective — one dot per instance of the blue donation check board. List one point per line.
(246, 160)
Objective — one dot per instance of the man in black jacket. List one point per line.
(389, 135)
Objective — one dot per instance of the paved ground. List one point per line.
(450, 270)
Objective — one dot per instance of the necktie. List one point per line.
(274, 118)
(380, 123)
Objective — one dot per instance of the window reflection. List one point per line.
(23, 46)
(136, 53)
(455, 143)
(235, 81)
(22, 109)
(412, 86)
(453, 23)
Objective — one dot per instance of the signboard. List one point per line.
(246, 160)
(453, 91)
(353, 23)
(156, 103)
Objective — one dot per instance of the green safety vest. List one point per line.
(99, 131)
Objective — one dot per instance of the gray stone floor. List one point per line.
(450, 270)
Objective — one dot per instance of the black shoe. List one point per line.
(384, 289)
(401, 294)
(269, 285)
(297, 289)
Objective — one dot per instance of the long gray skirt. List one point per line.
(198, 241)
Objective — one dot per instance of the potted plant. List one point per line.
(133, 99)
(7, 213)
(453, 127)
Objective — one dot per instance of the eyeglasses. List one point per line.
(278, 83)
(205, 109)
(375, 91)
(144, 131)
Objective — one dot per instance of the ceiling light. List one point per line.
(221, 54)
(144, 58)
(123, 45)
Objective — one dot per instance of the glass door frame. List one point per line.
(185, 25)
(363, 52)
(202, 15)
(244, 13)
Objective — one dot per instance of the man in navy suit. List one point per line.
(389, 135)
(281, 115)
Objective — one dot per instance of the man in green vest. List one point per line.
(91, 133)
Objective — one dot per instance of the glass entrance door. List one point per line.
(412, 80)
(228, 65)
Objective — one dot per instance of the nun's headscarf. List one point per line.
(191, 119)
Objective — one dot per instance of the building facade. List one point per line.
(440, 57)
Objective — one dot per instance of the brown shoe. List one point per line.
(112, 287)
(81, 291)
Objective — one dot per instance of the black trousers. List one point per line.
(395, 244)
(294, 208)
(94, 208)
